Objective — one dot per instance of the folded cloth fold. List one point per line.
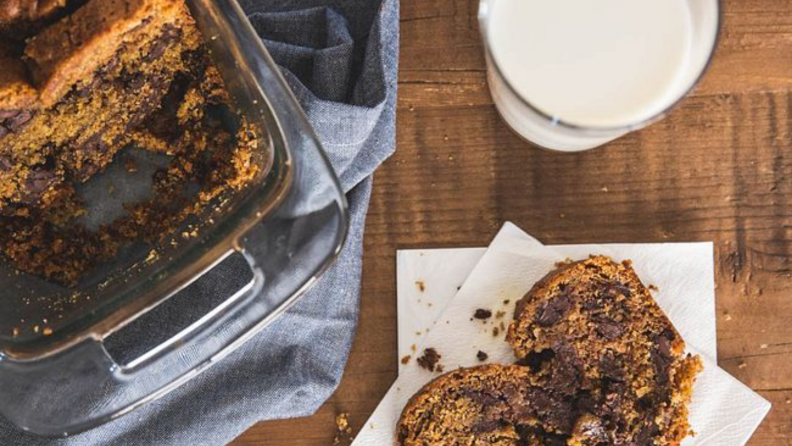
(340, 58)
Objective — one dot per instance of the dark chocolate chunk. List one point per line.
(38, 181)
(553, 310)
(615, 289)
(13, 120)
(15, 123)
(5, 164)
(611, 367)
(6, 114)
(566, 370)
(554, 410)
(169, 35)
(481, 397)
(608, 328)
(648, 431)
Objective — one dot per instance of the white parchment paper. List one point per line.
(724, 412)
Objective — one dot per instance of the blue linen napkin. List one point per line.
(340, 57)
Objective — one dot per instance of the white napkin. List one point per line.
(723, 412)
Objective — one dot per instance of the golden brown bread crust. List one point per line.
(593, 326)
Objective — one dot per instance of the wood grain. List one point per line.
(718, 168)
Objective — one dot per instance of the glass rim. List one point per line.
(483, 16)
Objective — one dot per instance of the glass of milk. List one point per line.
(571, 75)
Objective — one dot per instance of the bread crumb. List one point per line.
(763, 346)
(481, 356)
(495, 331)
(563, 263)
(500, 314)
(742, 365)
(429, 360)
(482, 314)
(405, 360)
(421, 285)
(343, 430)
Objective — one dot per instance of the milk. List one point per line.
(606, 66)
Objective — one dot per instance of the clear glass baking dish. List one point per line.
(56, 374)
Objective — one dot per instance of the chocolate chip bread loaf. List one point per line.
(499, 405)
(100, 78)
(592, 331)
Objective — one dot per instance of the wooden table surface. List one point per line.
(718, 168)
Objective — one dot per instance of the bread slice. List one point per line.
(498, 405)
(592, 330)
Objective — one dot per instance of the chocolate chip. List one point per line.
(610, 367)
(6, 114)
(555, 412)
(169, 35)
(584, 402)
(553, 310)
(156, 51)
(481, 397)
(608, 328)
(594, 304)
(482, 314)
(136, 82)
(619, 288)
(22, 118)
(661, 359)
(481, 356)
(13, 120)
(566, 369)
(486, 425)
(37, 182)
(648, 431)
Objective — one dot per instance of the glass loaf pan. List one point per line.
(289, 226)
